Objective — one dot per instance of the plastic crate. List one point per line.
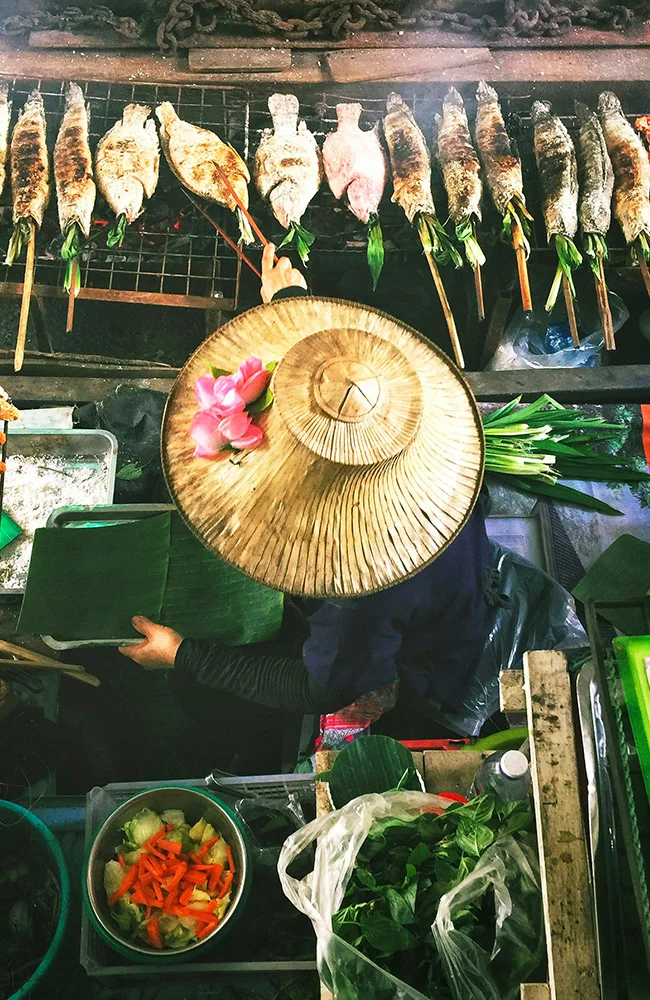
(101, 962)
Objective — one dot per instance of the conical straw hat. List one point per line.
(372, 457)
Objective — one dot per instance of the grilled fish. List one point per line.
(5, 117)
(498, 152)
(288, 164)
(127, 162)
(205, 164)
(558, 172)
(355, 163)
(460, 164)
(30, 165)
(631, 169)
(73, 165)
(409, 160)
(595, 174)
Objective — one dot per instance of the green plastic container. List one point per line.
(11, 813)
(633, 657)
(194, 803)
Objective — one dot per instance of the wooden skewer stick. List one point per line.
(223, 176)
(72, 295)
(28, 284)
(570, 311)
(524, 280)
(28, 658)
(640, 256)
(478, 287)
(231, 243)
(603, 306)
(446, 308)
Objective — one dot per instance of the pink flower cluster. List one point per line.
(222, 421)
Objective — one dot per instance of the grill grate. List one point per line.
(171, 255)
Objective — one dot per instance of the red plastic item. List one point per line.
(435, 744)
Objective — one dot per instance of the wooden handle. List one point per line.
(603, 307)
(28, 284)
(446, 308)
(570, 311)
(524, 281)
(72, 295)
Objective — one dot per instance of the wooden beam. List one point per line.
(11, 289)
(370, 65)
(564, 866)
(79, 40)
(535, 991)
(450, 771)
(239, 60)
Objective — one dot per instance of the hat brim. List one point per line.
(301, 523)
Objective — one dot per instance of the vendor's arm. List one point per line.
(274, 681)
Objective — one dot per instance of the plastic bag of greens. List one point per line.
(339, 837)
(505, 882)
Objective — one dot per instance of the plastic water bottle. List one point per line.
(506, 773)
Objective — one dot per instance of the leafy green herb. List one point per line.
(569, 258)
(130, 471)
(465, 232)
(595, 249)
(245, 231)
(303, 240)
(516, 226)
(117, 232)
(436, 241)
(19, 238)
(69, 252)
(375, 249)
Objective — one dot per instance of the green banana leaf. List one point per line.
(88, 584)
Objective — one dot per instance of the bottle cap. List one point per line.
(514, 764)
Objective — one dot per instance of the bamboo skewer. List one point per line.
(524, 280)
(240, 205)
(72, 295)
(640, 256)
(28, 284)
(570, 311)
(26, 658)
(446, 308)
(231, 243)
(603, 306)
(478, 286)
(3, 462)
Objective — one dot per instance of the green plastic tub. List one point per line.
(633, 656)
(11, 813)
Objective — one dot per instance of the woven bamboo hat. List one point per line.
(372, 457)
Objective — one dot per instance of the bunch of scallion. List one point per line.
(539, 444)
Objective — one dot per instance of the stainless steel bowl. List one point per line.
(194, 804)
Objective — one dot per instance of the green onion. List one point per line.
(465, 233)
(436, 241)
(596, 250)
(568, 259)
(245, 231)
(516, 225)
(19, 238)
(69, 251)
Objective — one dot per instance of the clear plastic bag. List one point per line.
(510, 871)
(319, 895)
(267, 821)
(533, 611)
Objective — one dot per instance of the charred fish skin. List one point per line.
(73, 165)
(459, 161)
(30, 164)
(631, 168)
(127, 162)
(288, 167)
(498, 152)
(595, 174)
(5, 118)
(558, 172)
(409, 159)
(195, 153)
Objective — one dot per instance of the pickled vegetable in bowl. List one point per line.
(170, 883)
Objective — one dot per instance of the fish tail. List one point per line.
(34, 103)
(583, 113)
(349, 113)
(394, 102)
(485, 94)
(608, 103)
(73, 95)
(453, 99)
(137, 114)
(284, 110)
(540, 110)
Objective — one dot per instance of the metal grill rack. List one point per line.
(172, 256)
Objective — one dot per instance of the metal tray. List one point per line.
(97, 958)
(77, 448)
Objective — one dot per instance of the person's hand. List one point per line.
(159, 647)
(280, 275)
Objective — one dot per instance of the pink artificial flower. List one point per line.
(254, 379)
(212, 432)
(221, 395)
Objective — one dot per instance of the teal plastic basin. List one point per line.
(11, 813)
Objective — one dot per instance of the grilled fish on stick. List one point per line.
(126, 167)
(30, 173)
(631, 174)
(461, 173)
(355, 167)
(558, 175)
(5, 117)
(73, 175)
(205, 165)
(288, 169)
(411, 167)
(502, 165)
